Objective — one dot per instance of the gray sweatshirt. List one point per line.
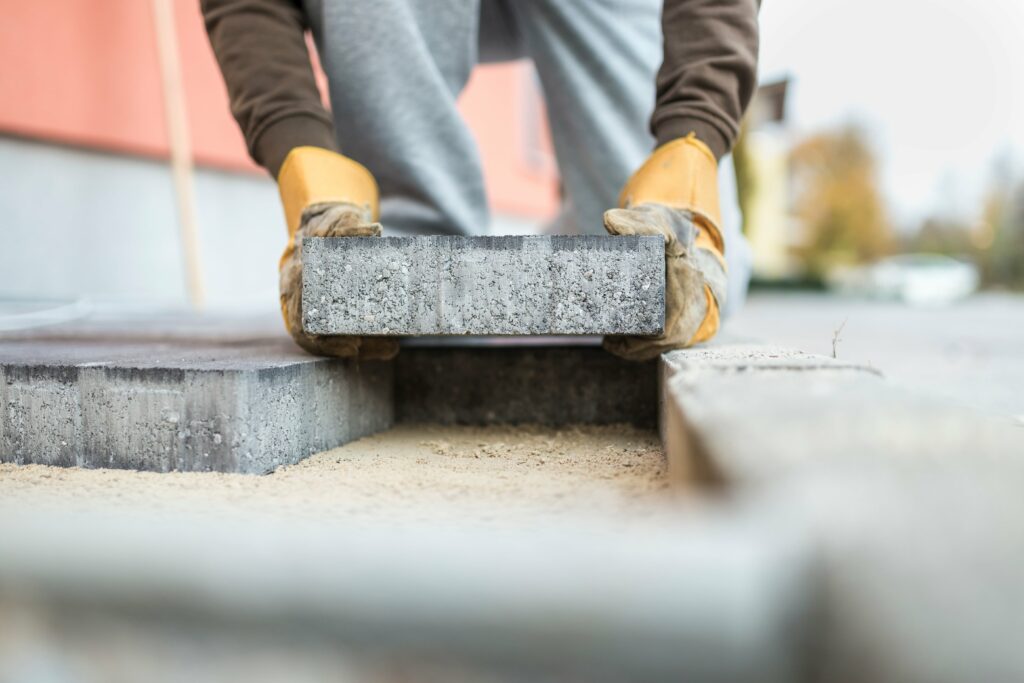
(705, 82)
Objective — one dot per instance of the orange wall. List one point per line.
(84, 72)
(520, 171)
(81, 71)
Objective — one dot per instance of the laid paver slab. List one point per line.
(789, 421)
(139, 397)
(747, 413)
(165, 392)
(443, 285)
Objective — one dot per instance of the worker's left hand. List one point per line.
(674, 195)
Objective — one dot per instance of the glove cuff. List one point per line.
(712, 319)
(312, 175)
(682, 174)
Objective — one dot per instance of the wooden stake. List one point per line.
(181, 151)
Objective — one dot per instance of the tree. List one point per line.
(837, 200)
(1004, 260)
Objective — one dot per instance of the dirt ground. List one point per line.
(489, 472)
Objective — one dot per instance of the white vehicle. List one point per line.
(915, 279)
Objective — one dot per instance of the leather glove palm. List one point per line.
(325, 195)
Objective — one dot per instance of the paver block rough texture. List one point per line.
(128, 400)
(441, 285)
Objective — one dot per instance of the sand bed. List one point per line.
(488, 472)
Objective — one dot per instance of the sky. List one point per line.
(938, 84)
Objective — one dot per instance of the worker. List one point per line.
(620, 78)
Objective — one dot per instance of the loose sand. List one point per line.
(410, 470)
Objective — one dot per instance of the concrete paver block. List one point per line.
(690, 436)
(440, 285)
(747, 413)
(136, 399)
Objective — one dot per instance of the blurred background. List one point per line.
(883, 156)
(889, 128)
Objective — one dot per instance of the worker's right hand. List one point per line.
(325, 195)
(674, 195)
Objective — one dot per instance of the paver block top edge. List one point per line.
(494, 242)
(155, 357)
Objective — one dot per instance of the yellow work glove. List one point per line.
(325, 195)
(675, 195)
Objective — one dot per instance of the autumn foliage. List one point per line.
(837, 201)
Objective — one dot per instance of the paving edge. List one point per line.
(746, 413)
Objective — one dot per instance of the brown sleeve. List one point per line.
(709, 71)
(261, 48)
